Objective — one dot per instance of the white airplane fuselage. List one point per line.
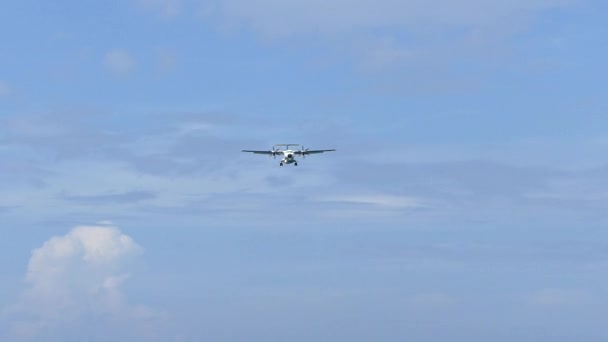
(288, 158)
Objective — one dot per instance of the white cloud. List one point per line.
(119, 61)
(73, 281)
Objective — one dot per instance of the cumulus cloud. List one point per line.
(74, 282)
(119, 62)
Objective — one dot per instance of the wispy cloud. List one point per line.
(285, 18)
(428, 42)
(120, 62)
(25, 128)
(5, 89)
(382, 53)
(111, 198)
(382, 201)
(556, 298)
(91, 161)
(166, 62)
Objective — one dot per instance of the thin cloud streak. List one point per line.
(386, 201)
(112, 198)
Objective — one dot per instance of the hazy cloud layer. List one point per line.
(191, 163)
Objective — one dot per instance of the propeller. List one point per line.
(273, 153)
(304, 152)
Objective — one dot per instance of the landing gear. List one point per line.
(281, 164)
(295, 164)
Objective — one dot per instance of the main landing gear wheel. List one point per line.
(280, 164)
(296, 164)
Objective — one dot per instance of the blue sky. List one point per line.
(466, 201)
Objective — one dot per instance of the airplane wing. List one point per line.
(261, 152)
(306, 152)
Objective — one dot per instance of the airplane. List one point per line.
(287, 153)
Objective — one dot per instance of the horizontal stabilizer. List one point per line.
(286, 145)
